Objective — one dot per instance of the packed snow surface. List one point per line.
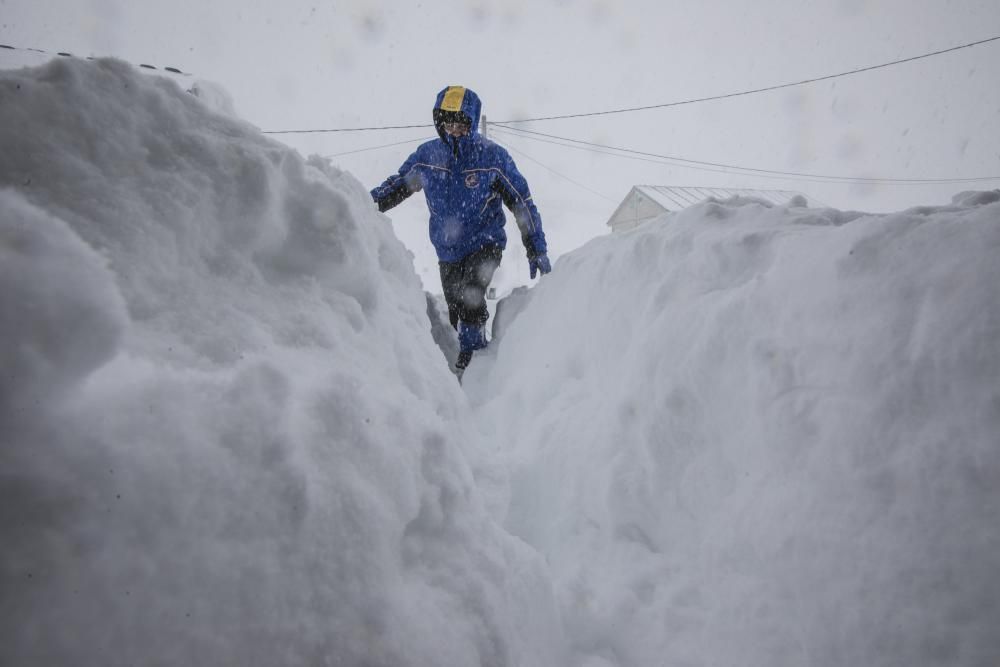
(742, 435)
(228, 437)
(756, 435)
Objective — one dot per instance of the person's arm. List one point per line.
(513, 190)
(399, 186)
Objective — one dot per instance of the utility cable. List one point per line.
(828, 177)
(375, 148)
(672, 104)
(757, 90)
(66, 54)
(350, 129)
(562, 176)
(662, 162)
(731, 169)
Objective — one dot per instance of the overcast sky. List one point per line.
(306, 64)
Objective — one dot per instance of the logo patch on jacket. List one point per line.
(471, 180)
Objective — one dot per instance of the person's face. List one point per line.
(456, 129)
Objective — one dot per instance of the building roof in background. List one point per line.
(674, 198)
(644, 202)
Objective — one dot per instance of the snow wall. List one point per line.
(746, 435)
(228, 437)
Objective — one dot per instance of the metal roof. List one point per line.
(673, 198)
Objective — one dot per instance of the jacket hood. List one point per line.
(459, 98)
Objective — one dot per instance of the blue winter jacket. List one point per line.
(465, 180)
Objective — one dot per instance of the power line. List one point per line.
(665, 161)
(826, 177)
(511, 133)
(757, 90)
(350, 129)
(563, 176)
(66, 54)
(670, 104)
(375, 148)
(729, 169)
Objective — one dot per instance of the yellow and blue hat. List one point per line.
(457, 104)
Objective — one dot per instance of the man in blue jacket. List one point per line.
(465, 178)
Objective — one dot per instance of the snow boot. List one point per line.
(464, 357)
(471, 337)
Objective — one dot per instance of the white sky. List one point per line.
(306, 64)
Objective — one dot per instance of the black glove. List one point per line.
(539, 263)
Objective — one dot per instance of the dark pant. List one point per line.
(465, 283)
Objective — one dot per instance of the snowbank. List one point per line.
(227, 434)
(744, 435)
(762, 436)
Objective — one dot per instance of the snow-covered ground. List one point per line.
(746, 435)
(228, 436)
(743, 435)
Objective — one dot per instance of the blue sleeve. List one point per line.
(399, 186)
(517, 197)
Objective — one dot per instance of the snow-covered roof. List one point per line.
(672, 197)
(648, 201)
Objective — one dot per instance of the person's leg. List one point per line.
(477, 272)
(478, 269)
(451, 284)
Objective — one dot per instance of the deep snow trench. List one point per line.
(743, 435)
